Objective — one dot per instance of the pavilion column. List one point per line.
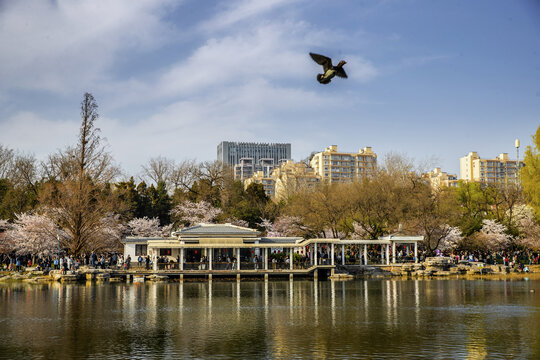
(382, 255)
(342, 254)
(416, 252)
(238, 258)
(291, 261)
(365, 254)
(387, 254)
(332, 253)
(393, 252)
(182, 259)
(265, 258)
(315, 255)
(210, 256)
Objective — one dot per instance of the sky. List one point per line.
(431, 80)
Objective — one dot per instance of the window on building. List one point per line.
(141, 250)
(165, 252)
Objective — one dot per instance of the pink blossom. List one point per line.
(33, 234)
(451, 240)
(191, 213)
(495, 235)
(144, 227)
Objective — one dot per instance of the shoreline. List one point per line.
(31, 277)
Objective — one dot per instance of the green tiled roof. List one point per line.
(217, 229)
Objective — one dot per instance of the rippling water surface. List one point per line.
(377, 319)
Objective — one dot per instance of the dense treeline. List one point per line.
(77, 197)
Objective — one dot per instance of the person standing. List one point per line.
(128, 262)
(64, 267)
(147, 262)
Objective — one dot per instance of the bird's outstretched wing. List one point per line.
(326, 62)
(341, 73)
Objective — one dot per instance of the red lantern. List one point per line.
(195, 251)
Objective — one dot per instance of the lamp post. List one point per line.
(517, 162)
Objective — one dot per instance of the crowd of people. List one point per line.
(13, 262)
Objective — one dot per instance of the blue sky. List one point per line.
(429, 79)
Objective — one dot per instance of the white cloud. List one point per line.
(61, 45)
(242, 10)
(275, 51)
(28, 132)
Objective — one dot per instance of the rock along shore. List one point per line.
(435, 267)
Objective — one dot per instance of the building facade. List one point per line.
(498, 170)
(439, 179)
(268, 182)
(247, 158)
(285, 180)
(334, 166)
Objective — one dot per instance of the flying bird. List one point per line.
(329, 70)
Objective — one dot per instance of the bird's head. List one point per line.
(341, 63)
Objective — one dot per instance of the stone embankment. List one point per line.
(32, 275)
(444, 266)
(432, 267)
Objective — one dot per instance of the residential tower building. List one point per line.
(334, 166)
(498, 170)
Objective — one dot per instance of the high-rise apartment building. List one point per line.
(498, 170)
(247, 158)
(334, 166)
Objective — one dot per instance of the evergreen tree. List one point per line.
(161, 203)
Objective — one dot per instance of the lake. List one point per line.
(359, 319)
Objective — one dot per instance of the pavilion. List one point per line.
(228, 248)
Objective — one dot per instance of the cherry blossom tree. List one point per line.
(34, 234)
(283, 226)
(267, 225)
(451, 239)
(144, 227)
(5, 225)
(166, 230)
(530, 232)
(5, 245)
(494, 235)
(190, 213)
(108, 234)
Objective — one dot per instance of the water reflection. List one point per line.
(283, 319)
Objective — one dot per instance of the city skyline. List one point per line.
(433, 81)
